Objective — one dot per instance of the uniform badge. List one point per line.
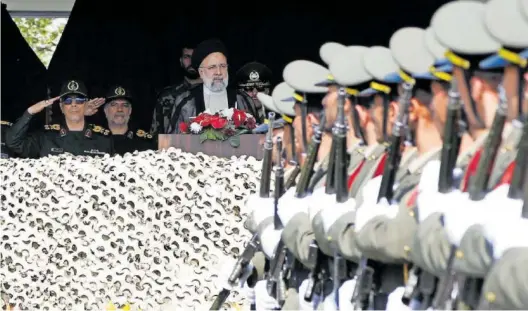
(254, 76)
(130, 134)
(59, 150)
(141, 133)
(62, 132)
(120, 91)
(88, 133)
(73, 85)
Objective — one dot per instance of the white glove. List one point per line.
(458, 218)
(332, 213)
(329, 303)
(429, 178)
(394, 303)
(269, 239)
(371, 190)
(346, 291)
(227, 268)
(512, 234)
(318, 201)
(430, 202)
(367, 212)
(261, 208)
(289, 206)
(498, 205)
(263, 301)
(303, 304)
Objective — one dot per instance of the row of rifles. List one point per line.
(327, 271)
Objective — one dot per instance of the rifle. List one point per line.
(307, 170)
(340, 177)
(319, 271)
(275, 284)
(455, 126)
(266, 161)
(254, 243)
(294, 162)
(386, 191)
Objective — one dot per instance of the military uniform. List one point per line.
(56, 139)
(167, 100)
(252, 77)
(133, 139)
(4, 151)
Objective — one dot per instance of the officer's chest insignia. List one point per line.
(62, 132)
(52, 127)
(88, 133)
(100, 129)
(143, 134)
(130, 134)
(58, 150)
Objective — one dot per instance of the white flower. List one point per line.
(195, 128)
(227, 113)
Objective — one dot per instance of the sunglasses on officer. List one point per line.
(78, 100)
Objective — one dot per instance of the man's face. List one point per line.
(186, 63)
(213, 72)
(297, 129)
(439, 105)
(118, 112)
(376, 114)
(72, 107)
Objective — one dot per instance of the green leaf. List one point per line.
(234, 141)
(203, 137)
(211, 134)
(219, 135)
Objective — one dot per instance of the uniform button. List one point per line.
(490, 296)
(459, 254)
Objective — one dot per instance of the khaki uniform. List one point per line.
(474, 256)
(342, 232)
(506, 285)
(431, 248)
(387, 239)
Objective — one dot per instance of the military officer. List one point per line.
(118, 109)
(73, 136)
(254, 78)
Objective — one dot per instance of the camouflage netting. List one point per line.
(149, 229)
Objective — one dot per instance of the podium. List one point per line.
(250, 145)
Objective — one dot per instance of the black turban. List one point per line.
(204, 48)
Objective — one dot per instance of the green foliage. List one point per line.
(42, 35)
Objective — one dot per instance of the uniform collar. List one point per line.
(423, 159)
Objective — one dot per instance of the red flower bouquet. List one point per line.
(226, 124)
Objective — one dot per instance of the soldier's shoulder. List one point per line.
(100, 130)
(52, 127)
(143, 134)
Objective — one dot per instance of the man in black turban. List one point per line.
(210, 59)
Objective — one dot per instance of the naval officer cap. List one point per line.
(442, 67)
(413, 64)
(327, 52)
(348, 70)
(281, 92)
(459, 26)
(380, 64)
(505, 21)
(302, 76)
(267, 101)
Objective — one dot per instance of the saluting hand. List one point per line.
(38, 107)
(93, 105)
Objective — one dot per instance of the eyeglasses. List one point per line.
(215, 67)
(78, 100)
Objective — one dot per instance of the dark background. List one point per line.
(109, 42)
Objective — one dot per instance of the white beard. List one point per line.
(216, 86)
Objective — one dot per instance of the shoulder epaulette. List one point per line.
(6, 123)
(99, 129)
(141, 133)
(52, 127)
